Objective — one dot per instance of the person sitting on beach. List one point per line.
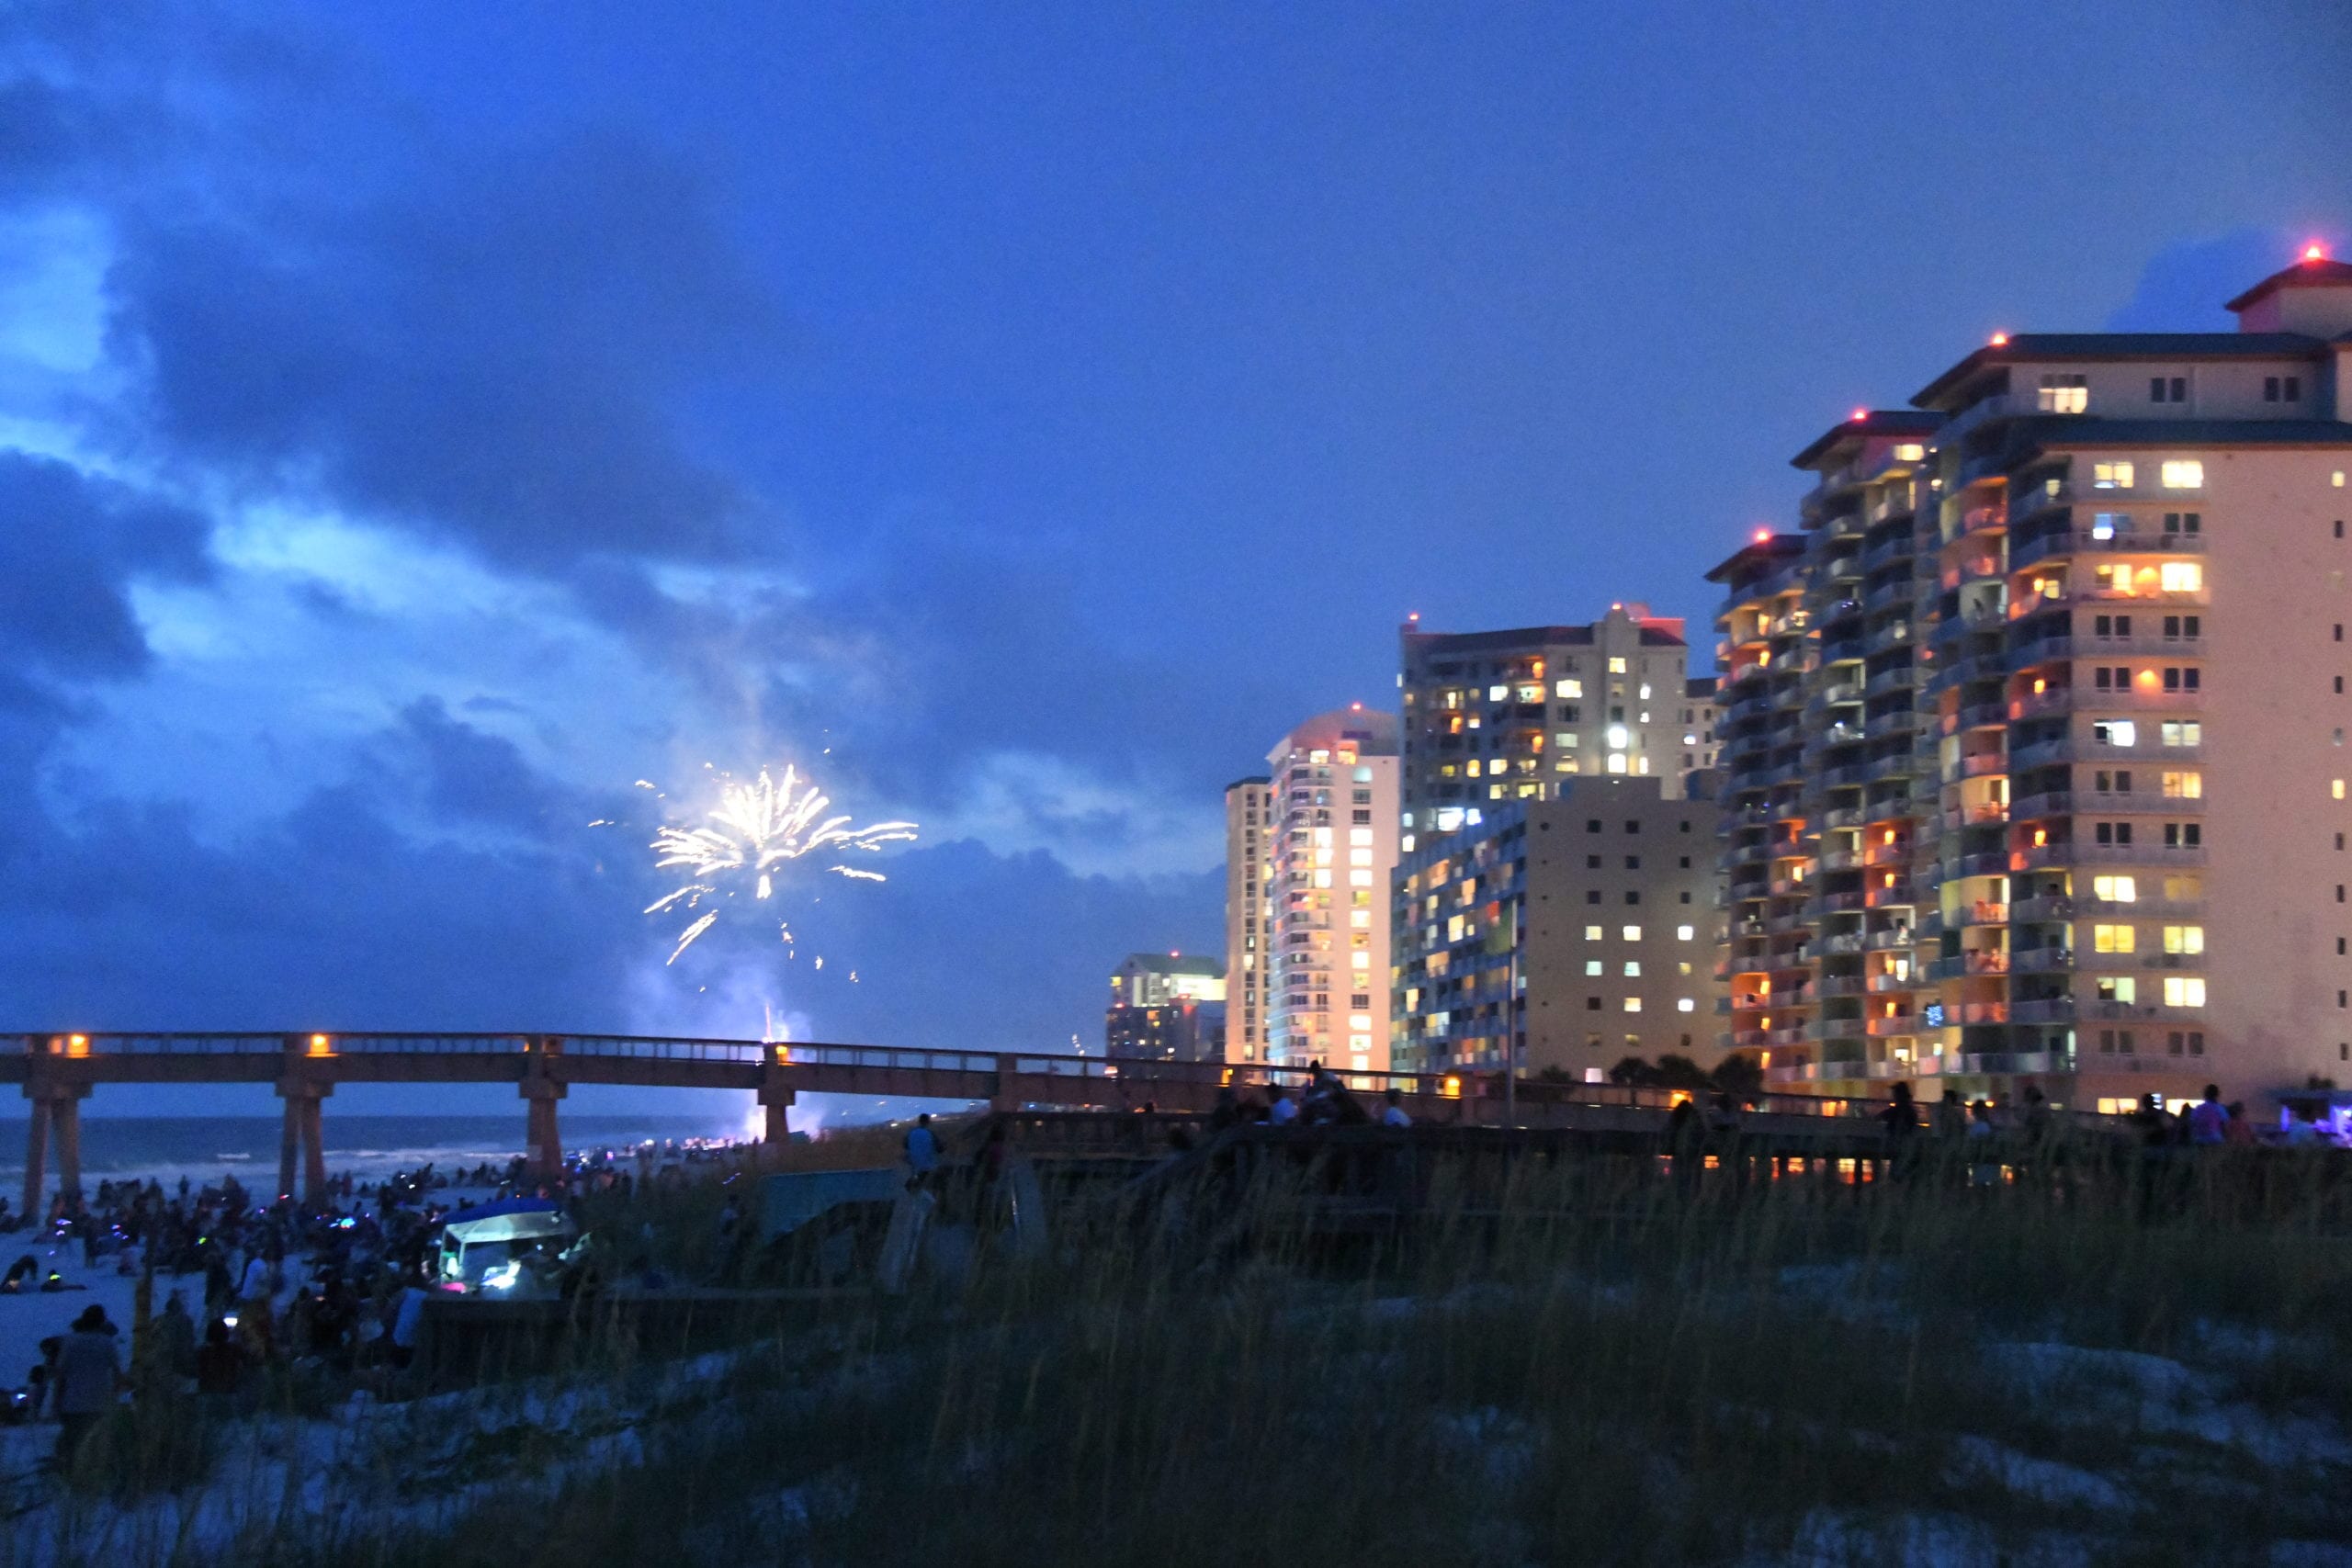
(23, 1275)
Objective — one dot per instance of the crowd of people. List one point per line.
(336, 1285)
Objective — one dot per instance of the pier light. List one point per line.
(1451, 1086)
(321, 1047)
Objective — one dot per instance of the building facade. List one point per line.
(1249, 916)
(1331, 835)
(1581, 926)
(1166, 1007)
(1496, 716)
(2033, 738)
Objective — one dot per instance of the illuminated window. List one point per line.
(1633, 1004)
(1684, 934)
(2118, 988)
(1359, 835)
(2183, 939)
(2063, 393)
(1632, 934)
(1616, 761)
(2181, 576)
(1909, 452)
(2113, 938)
(1592, 933)
(1685, 1004)
(1633, 968)
(2185, 732)
(1593, 967)
(2184, 786)
(1568, 688)
(1496, 694)
(2183, 473)
(2184, 991)
(1616, 737)
(1530, 694)
(2111, 476)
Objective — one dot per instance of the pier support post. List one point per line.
(304, 1082)
(65, 1127)
(301, 1138)
(776, 1098)
(543, 1143)
(35, 1155)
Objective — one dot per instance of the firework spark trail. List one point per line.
(755, 829)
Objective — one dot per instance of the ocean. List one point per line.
(205, 1148)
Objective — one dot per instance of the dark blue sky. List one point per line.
(417, 424)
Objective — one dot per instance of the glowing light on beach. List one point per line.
(756, 830)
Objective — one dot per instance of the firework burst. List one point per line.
(754, 833)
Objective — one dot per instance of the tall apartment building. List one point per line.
(2033, 738)
(1582, 925)
(1330, 817)
(1248, 915)
(1503, 715)
(1166, 1007)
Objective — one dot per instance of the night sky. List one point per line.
(420, 424)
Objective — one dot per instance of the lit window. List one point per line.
(1617, 738)
(2184, 473)
(1909, 452)
(1496, 694)
(1593, 967)
(1632, 934)
(1355, 879)
(1686, 1005)
(1359, 835)
(1646, 691)
(2181, 576)
(2114, 939)
(2184, 786)
(2111, 476)
(1592, 933)
(2118, 988)
(1616, 761)
(2185, 732)
(1617, 667)
(2063, 393)
(2183, 939)
(1633, 1004)
(1633, 968)
(2122, 732)
(2184, 991)
(1684, 934)
(1568, 688)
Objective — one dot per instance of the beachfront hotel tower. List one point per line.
(1326, 826)
(1516, 715)
(1249, 919)
(2034, 735)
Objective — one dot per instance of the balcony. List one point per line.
(1982, 520)
(2045, 960)
(1981, 912)
(1984, 813)
(2080, 541)
(1976, 716)
(1895, 546)
(2134, 699)
(2035, 911)
(2134, 854)
(1894, 937)
(1966, 965)
(1972, 567)
(1900, 594)
(1882, 1025)
(1977, 765)
(2028, 501)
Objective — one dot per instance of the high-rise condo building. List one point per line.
(1503, 715)
(2033, 740)
(1166, 1007)
(1329, 822)
(1248, 915)
(1584, 925)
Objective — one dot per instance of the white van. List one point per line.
(502, 1253)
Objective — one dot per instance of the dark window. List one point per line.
(1632, 827)
(1593, 826)
(1592, 863)
(1592, 895)
(1633, 898)
(1592, 1004)
(1632, 862)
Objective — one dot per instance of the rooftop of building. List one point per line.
(1175, 964)
(1247, 781)
(2313, 270)
(1757, 555)
(1371, 732)
(1657, 631)
(1865, 423)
